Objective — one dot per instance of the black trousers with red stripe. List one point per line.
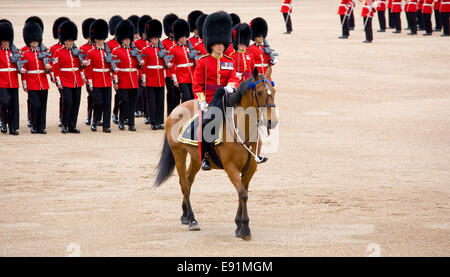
(38, 109)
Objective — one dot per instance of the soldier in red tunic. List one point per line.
(235, 19)
(367, 15)
(126, 75)
(192, 19)
(9, 80)
(141, 43)
(153, 75)
(381, 9)
(98, 73)
(68, 77)
(427, 10)
(215, 70)
(445, 12)
(113, 44)
(183, 65)
(173, 93)
(86, 48)
(396, 12)
(411, 13)
(343, 11)
(259, 34)
(200, 46)
(437, 16)
(286, 10)
(52, 51)
(243, 60)
(34, 78)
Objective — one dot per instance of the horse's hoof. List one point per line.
(193, 226)
(246, 237)
(184, 220)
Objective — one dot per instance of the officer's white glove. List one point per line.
(239, 75)
(275, 61)
(229, 89)
(203, 106)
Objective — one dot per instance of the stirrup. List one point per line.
(206, 165)
(262, 159)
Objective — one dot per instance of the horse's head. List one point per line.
(263, 97)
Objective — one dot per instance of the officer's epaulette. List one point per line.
(228, 56)
(26, 51)
(116, 48)
(173, 46)
(91, 50)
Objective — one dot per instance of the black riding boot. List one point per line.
(205, 160)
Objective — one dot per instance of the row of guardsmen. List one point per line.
(418, 14)
(135, 62)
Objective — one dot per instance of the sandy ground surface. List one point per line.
(363, 161)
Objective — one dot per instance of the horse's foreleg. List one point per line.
(234, 176)
(193, 169)
(245, 180)
(188, 215)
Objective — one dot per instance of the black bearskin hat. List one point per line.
(68, 31)
(98, 30)
(235, 18)
(180, 29)
(192, 19)
(141, 23)
(241, 35)
(36, 19)
(113, 23)
(168, 21)
(259, 27)
(6, 31)
(217, 29)
(125, 30)
(199, 24)
(153, 28)
(56, 24)
(135, 20)
(32, 32)
(85, 26)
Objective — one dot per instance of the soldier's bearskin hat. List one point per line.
(199, 24)
(168, 21)
(217, 29)
(141, 23)
(56, 25)
(6, 31)
(32, 32)
(235, 18)
(180, 29)
(125, 30)
(113, 23)
(36, 19)
(85, 26)
(241, 35)
(259, 27)
(135, 20)
(68, 31)
(192, 19)
(153, 28)
(98, 30)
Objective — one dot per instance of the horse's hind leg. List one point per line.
(193, 169)
(188, 215)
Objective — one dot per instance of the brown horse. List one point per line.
(256, 92)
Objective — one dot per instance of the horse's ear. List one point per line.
(268, 72)
(255, 73)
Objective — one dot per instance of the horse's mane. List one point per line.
(243, 88)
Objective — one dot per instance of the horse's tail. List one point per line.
(165, 166)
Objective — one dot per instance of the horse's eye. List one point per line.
(259, 93)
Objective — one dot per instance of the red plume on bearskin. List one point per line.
(6, 31)
(114, 21)
(98, 30)
(180, 29)
(36, 19)
(241, 35)
(153, 28)
(85, 26)
(32, 32)
(168, 21)
(217, 30)
(125, 30)
(192, 18)
(141, 23)
(259, 27)
(56, 24)
(68, 31)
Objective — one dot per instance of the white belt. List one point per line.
(69, 69)
(409, 3)
(261, 65)
(445, 3)
(396, 3)
(35, 71)
(127, 69)
(425, 4)
(8, 69)
(185, 65)
(100, 69)
(155, 67)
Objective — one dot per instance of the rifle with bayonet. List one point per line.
(109, 57)
(45, 56)
(268, 51)
(136, 53)
(193, 54)
(79, 54)
(16, 57)
(164, 54)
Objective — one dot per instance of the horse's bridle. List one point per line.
(269, 93)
